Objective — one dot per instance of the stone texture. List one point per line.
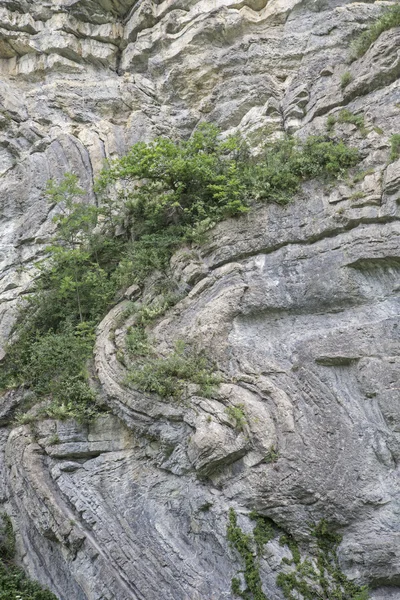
(298, 305)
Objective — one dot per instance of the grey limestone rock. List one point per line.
(298, 305)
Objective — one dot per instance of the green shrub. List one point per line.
(272, 455)
(14, 585)
(330, 122)
(182, 183)
(299, 579)
(388, 20)
(168, 377)
(7, 545)
(394, 147)
(137, 342)
(345, 79)
(170, 194)
(52, 365)
(243, 544)
(287, 164)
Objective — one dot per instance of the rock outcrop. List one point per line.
(298, 305)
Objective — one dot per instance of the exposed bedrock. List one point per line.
(298, 305)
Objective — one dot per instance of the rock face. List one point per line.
(299, 305)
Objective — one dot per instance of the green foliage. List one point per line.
(290, 542)
(330, 122)
(52, 365)
(272, 455)
(169, 377)
(389, 19)
(72, 398)
(287, 163)
(170, 193)
(180, 183)
(346, 116)
(236, 413)
(243, 543)
(299, 579)
(357, 196)
(137, 342)
(13, 583)
(345, 79)
(263, 531)
(15, 586)
(394, 147)
(7, 543)
(360, 176)
(320, 577)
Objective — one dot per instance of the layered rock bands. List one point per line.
(298, 305)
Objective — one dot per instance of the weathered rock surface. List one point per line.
(298, 305)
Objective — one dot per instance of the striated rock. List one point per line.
(297, 305)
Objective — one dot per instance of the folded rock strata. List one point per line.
(298, 305)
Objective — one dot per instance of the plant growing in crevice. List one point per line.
(14, 585)
(272, 455)
(249, 548)
(170, 376)
(346, 116)
(389, 19)
(330, 123)
(319, 576)
(345, 79)
(237, 414)
(360, 176)
(394, 147)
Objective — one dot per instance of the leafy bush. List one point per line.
(236, 413)
(316, 577)
(169, 193)
(15, 586)
(180, 183)
(320, 577)
(389, 19)
(243, 544)
(286, 164)
(330, 122)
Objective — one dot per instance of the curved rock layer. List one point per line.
(298, 305)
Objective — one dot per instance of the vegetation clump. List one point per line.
(249, 548)
(345, 79)
(300, 579)
(286, 164)
(169, 376)
(394, 147)
(319, 576)
(388, 20)
(237, 414)
(14, 585)
(346, 116)
(169, 194)
(272, 455)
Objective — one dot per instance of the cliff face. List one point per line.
(299, 305)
